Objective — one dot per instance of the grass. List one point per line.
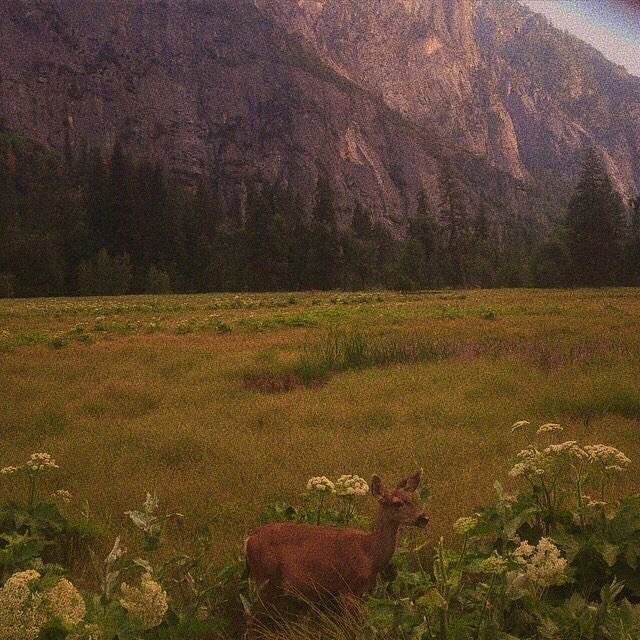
(150, 392)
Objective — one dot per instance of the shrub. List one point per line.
(105, 275)
(158, 281)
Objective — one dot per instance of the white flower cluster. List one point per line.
(147, 603)
(463, 525)
(41, 462)
(321, 484)
(549, 427)
(64, 495)
(24, 610)
(494, 564)
(37, 462)
(541, 564)
(350, 485)
(21, 614)
(535, 462)
(612, 459)
(540, 462)
(64, 602)
(8, 470)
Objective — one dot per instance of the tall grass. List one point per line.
(138, 411)
(342, 621)
(352, 350)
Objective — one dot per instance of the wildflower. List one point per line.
(21, 614)
(147, 603)
(549, 427)
(65, 603)
(463, 525)
(518, 470)
(607, 456)
(531, 461)
(63, 495)
(41, 462)
(321, 484)
(543, 565)
(349, 485)
(518, 425)
(550, 460)
(494, 564)
(8, 470)
(568, 448)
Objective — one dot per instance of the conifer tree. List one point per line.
(595, 223)
(324, 255)
(454, 212)
(632, 248)
(359, 249)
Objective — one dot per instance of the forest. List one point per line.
(84, 224)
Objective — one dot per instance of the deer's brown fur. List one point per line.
(314, 561)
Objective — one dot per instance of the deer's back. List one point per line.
(304, 558)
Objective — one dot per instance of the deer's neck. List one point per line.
(383, 540)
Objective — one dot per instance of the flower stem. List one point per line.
(320, 508)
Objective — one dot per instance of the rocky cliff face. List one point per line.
(489, 75)
(374, 93)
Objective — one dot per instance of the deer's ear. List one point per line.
(377, 490)
(411, 482)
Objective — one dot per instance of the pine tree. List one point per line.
(595, 222)
(265, 242)
(482, 249)
(632, 247)
(454, 212)
(325, 254)
(359, 250)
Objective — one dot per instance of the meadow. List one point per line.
(224, 404)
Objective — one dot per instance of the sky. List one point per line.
(612, 26)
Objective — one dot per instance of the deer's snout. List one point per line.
(422, 520)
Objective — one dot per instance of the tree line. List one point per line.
(84, 225)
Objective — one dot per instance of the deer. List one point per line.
(314, 561)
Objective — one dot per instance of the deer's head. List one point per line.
(399, 504)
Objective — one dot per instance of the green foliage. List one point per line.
(507, 580)
(551, 264)
(548, 562)
(158, 281)
(596, 227)
(92, 225)
(105, 275)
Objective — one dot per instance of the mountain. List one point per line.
(489, 75)
(381, 96)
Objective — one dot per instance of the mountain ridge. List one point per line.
(379, 96)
